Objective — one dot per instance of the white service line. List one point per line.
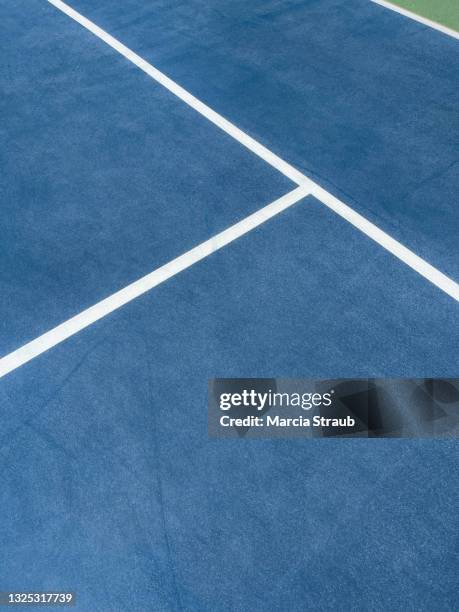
(63, 331)
(419, 18)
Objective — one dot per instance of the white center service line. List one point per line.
(134, 290)
(418, 18)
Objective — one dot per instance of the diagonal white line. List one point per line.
(421, 266)
(131, 292)
(419, 18)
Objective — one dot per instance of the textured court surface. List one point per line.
(110, 485)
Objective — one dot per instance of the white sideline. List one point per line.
(427, 22)
(63, 331)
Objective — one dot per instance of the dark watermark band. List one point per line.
(311, 408)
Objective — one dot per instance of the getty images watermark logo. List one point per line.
(261, 401)
(269, 407)
(310, 408)
(249, 408)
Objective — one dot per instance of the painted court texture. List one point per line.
(348, 143)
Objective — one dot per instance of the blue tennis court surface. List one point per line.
(111, 487)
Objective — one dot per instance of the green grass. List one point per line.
(445, 12)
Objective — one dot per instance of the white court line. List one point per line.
(131, 292)
(421, 266)
(419, 18)
(63, 331)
